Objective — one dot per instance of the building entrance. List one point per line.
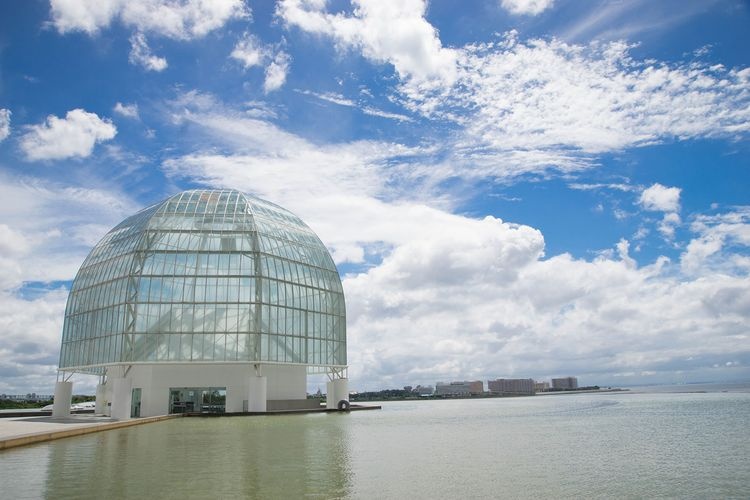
(135, 403)
(197, 399)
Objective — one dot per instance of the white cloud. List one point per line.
(573, 102)
(141, 55)
(126, 110)
(249, 51)
(540, 105)
(179, 19)
(447, 296)
(668, 224)
(34, 251)
(660, 198)
(276, 72)
(71, 137)
(551, 316)
(368, 110)
(392, 32)
(4, 123)
(526, 7)
(706, 253)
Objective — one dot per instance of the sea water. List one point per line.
(607, 445)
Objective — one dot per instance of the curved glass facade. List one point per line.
(206, 276)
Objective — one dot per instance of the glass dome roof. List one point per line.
(209, 276)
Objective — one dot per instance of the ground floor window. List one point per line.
(197, 399)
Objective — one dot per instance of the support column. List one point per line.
(63, 397)
(257, 394)
(121, 396)
(101, 400)
(337, 390)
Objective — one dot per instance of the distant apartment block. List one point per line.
(511, 386)
(565, 383)
(465, 388)
(541, 386)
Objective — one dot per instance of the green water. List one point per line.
(573, 446)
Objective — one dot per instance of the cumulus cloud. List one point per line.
(126, 110)
(71, 137)
(446, 296)
(4, 124)
(35, 252)
(660, 198)
(600, 319)
(181, 19)
(388, 32)
(30, 343)
(526, 7)
(141, 55)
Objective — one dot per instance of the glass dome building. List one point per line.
(211, 300)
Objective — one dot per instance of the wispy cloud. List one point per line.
(368, 110)
(141, 55)
(606, 21)
(4, 124)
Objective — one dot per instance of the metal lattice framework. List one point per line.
(209, 276)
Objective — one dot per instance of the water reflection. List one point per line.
(250, 457)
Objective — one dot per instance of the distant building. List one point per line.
(424, 390)
(541, 386)
(511, 386)
(26, 397)
(464, 388)
(565, 383)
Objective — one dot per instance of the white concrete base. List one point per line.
(257, 394)
(63, 397)
(336, 390)
(101, 399)
(282, 382)
(121, 397)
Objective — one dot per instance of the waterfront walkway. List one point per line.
(20, 431)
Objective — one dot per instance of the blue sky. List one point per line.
(510, 188)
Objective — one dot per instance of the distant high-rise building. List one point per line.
(511, 386)
(565, 383)
(464, 388)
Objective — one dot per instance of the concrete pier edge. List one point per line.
(40, 437)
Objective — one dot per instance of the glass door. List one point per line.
(135, 403)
